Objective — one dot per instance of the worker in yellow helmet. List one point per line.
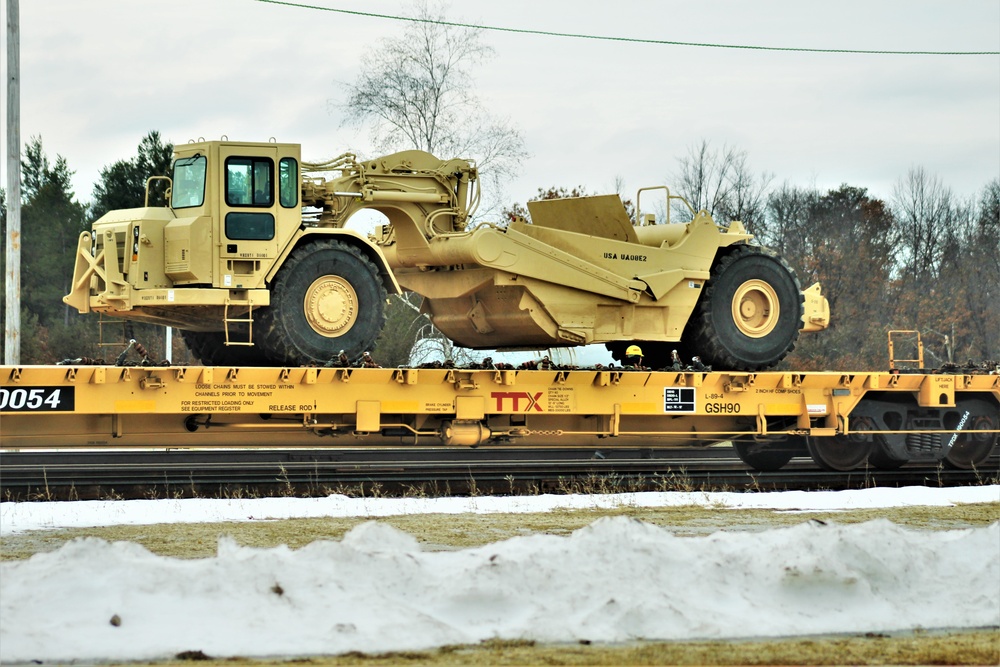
(634, 354)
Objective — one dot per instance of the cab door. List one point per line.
(248, 208)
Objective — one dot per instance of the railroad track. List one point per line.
(172, 473)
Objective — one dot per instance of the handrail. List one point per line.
(920, 348)
(170, 185)
(638, 200)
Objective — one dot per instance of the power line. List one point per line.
(634, 40)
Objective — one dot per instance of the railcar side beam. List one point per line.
(101, 406)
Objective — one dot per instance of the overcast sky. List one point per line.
(97, 75)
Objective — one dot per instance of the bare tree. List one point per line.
(431, 345)
(984, 295)
(844, 242)
(925, 210)
(971, 296)
(417, 91)
(722, 183)
(788, 211)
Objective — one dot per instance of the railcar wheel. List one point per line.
(327, 297)
(769, 457)
(210, 348)
(881, 458)
(838, 453)
(972, 448)
(749, 316)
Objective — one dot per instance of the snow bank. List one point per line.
(376, 590)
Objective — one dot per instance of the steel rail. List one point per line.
(60, 475)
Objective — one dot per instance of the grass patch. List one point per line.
(443, 532)
(978, 647)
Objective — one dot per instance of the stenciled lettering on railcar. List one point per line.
(552, 400)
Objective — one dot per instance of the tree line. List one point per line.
(52, 218)
(926, 259)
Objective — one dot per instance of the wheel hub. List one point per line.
(756, 308)
(331, 306)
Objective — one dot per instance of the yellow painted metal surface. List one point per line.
(63, 406)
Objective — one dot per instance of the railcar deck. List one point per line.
(840, 418)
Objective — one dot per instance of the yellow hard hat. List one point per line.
(633, 351)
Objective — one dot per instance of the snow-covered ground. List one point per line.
(376, 590)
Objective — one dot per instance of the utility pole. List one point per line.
(12, 321)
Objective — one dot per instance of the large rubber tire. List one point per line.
(749, 316)
(327, 297)
(210, 348)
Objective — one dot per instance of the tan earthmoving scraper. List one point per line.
(253, 261)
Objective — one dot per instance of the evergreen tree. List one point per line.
(123, 183)
(51, 222)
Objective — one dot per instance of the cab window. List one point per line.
(288, 182)
(188, 188)
(249, 226)
(250, 181)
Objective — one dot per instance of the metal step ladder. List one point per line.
(246, 319)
